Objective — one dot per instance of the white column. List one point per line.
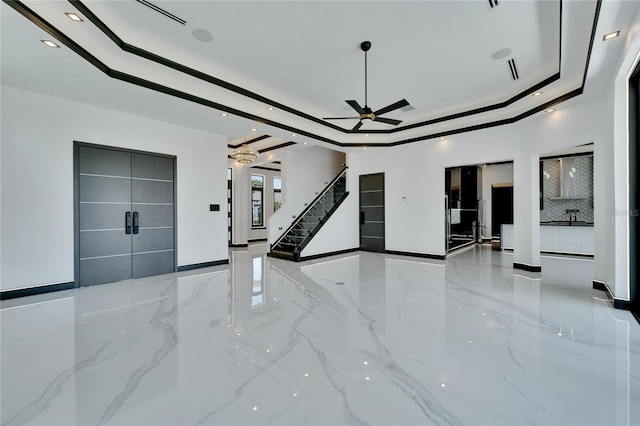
(241, 204)
(526, 212)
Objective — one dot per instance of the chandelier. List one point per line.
(244, 154)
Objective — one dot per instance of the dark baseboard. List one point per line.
(202, 265)
(32, 291)
(238, 245)
(333, 253)
(525, 267)
(560, 253)
(422, 255)
(624, 305)
(258, 240)
(600, 285)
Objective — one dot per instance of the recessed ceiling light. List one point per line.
(293, 134)
(549, 110)
(366, 135)
(306, 143)
(270, 108)
(224, 114)
(49, 43)
(442, 138)
(74, 16)
(365, 148)
(537, 94)
(611, 35)
(202, 35)
(254, 129)
(502, 53)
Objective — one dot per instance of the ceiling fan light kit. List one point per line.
(366, 113)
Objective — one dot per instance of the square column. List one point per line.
(526, 212)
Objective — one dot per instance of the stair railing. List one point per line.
(311, 206)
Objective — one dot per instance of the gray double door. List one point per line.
(125, 215)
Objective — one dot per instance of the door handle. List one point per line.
(136, 223)
(361, 218)
(127, 223)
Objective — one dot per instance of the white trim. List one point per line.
(104, 176)
(152, 180)
(152, 252)
(105, 257)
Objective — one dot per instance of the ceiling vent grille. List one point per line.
(513, 69)
(493, 3)
(163, 12)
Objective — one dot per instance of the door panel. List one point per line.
(153, 195)
(105, 270)
(372, 212)
(154, 215)
(153, 240)
(104, 243)
(148, 264)
(104, 189)
(103, 216)
(104, 161)
(104, 196)
(152, 167)
(150, 191)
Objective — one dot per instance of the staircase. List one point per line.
(308, 223)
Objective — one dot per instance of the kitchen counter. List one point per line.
(558, 238)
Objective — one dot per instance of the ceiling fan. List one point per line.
(366, 113)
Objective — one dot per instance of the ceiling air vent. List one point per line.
(493, 3)
(513, 69)
(162, 11)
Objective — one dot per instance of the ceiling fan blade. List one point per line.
(388, 120)
(340, 118)
(357, 126)
(355, 105)
(394, 106)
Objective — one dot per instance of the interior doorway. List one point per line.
(463, 192)
(501, 207)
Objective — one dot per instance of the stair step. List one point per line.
(282, 255)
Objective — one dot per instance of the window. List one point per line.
(257, 200)
(277, 193)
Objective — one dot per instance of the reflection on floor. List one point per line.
(460, 240)
(360, 338)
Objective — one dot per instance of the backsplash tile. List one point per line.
(555, 210)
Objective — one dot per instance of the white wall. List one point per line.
(417, 172)
(305, 173)
(37, 182)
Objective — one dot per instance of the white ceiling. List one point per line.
(304, 57)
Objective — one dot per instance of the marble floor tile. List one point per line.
(362, 338)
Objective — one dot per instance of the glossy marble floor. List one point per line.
(357, 339)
